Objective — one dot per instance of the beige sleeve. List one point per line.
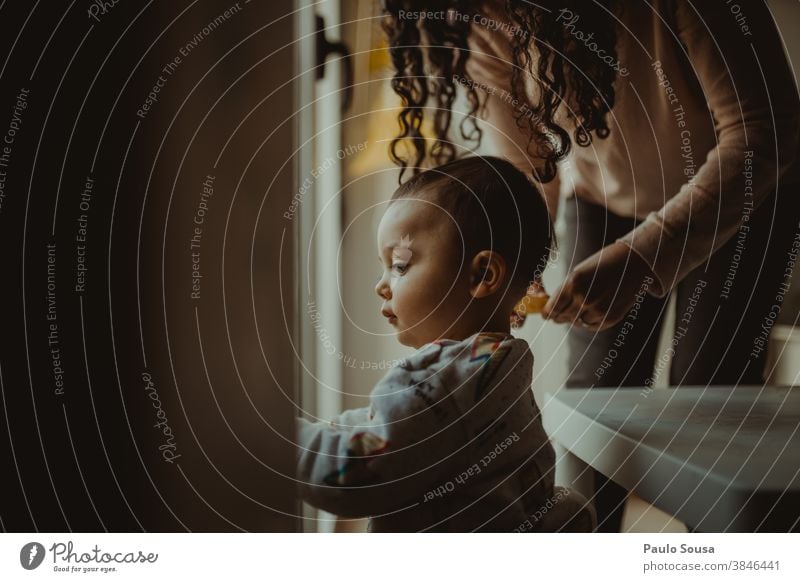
(751, 93)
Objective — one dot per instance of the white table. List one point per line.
(717, 458)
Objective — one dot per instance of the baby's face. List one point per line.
(425, 291)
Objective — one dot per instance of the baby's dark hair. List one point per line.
(495, 207)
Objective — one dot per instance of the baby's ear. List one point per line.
(487, 274)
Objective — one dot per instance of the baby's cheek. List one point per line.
(451, 294)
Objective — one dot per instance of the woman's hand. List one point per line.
(601, 290)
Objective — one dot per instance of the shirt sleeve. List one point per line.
(351, 419)
(405, 444)
(751, 94)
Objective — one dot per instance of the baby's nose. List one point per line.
(382, 288)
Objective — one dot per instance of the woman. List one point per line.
(670, 127)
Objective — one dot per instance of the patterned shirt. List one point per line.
(452, 441)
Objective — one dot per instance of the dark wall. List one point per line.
(131, 401)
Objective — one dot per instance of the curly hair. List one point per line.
(429, 54)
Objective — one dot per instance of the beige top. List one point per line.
(696, 139)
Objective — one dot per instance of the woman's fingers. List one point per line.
(566, 305)
(591, 318)
(571, 305)
(600, 291)
(558, 302)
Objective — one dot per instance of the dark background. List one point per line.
(89, 459)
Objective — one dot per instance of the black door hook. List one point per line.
(326, 48)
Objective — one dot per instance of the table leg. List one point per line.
(573, 473)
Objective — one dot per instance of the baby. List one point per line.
(452, 439)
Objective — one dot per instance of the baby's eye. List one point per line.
(399, 268)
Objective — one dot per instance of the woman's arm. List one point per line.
(752, 96)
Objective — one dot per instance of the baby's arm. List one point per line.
(387, 460)
(350, 419)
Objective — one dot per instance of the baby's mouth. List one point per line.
(391, 317)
